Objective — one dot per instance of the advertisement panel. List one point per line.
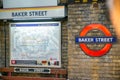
(35, 44)
(28, 3)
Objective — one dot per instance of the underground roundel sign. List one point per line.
(107, 39)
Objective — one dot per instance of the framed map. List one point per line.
(35, 44)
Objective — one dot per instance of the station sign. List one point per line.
(41, 12)
(107, 40)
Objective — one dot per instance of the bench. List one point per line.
(59, 74)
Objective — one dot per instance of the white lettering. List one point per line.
(86, 39)
(103, 39)
(38, 13)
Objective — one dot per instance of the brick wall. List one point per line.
(81, 66)
(64, 44)
(2, 46)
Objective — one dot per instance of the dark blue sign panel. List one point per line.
(95, 39)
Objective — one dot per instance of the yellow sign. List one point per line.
(85, 1)
(77, 1)
(95, 0)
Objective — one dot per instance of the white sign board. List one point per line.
(25, 13)
(28, 3)
(35, 44)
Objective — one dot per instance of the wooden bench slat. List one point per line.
(6, 69)
(58, 71)
(29, 78)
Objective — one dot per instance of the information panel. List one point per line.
(35, 44)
